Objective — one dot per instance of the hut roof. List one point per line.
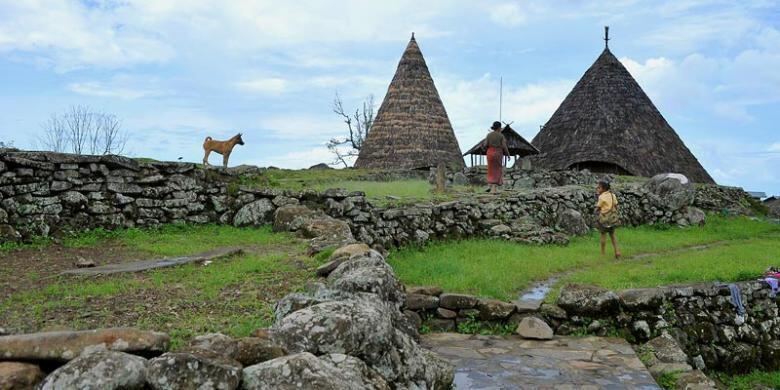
(517, 145)
(411, 129)
(608, 119)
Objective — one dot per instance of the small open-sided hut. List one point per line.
(411, 129)
(518, 147)
(608, 124)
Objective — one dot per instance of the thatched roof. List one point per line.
(411, 129)
(517, 145)
(608, 122)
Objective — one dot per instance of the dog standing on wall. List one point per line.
(222, 147)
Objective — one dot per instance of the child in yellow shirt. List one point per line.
(608, 221)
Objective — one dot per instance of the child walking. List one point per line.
(608, 217)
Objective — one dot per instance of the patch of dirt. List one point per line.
(175, 307)
(30, 268)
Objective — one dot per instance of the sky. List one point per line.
(176, 71)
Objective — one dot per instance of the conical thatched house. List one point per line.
(608, 124)
(411, 129)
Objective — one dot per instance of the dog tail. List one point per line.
(208, 139)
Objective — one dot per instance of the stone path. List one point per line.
(143, 265)
(510, 362)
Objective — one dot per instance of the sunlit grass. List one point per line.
(501, 269)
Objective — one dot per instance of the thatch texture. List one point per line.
(411, 129)
(607, 123)
(517, 145)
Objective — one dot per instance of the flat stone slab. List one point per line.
(66, 345)
(143, 265)
(511, 362)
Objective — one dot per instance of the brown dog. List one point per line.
(222, 147)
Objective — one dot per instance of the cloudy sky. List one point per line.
(176, 71)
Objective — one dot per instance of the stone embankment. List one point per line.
(676, 329)
(347, 332)
(44, 194)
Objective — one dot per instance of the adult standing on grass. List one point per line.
(608, 217)
(496, 150)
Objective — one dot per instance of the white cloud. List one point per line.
(507, 14)
(304, 128)
(774, 148)
(270, 85)
(120, 87)
(473, 105)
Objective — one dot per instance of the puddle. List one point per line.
(539, 291)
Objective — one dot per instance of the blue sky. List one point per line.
(176, 71)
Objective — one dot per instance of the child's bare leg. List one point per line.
(603, 243)
(615, 244)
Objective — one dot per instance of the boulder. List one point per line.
(527, 305)
(641, 330)
(341, 255)
(254, 350)
(588, 301)
(695, 216)
(694, 380)
(369, 274)
(638, 299)
(291, 217)
(19, 376)
(666, 349)
(193, 370)
(425, 290)
(457, 301)
(330, 372)
(572, 222)
(99, 369)
(326, 232)
(446, 313)
(257, 213)
(364, 328)
(66, 345)
(494, 309)
(215, 342)
(670, 191)
(534, 328)
(421, 302)
(321, 166)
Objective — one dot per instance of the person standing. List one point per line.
(496, 151)
(608, 217)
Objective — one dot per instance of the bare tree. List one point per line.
(82, 130)
(358, 123)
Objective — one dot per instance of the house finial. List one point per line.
(412, 35)
(606, 37)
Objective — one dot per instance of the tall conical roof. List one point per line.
(607, 123)
(411, 129)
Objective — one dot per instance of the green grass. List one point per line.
(177, 240)
(738, 260)
(408, 190)
(751, 381)
(501, 269)
(233, 296)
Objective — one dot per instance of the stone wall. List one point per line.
(518, 178)
(701, 318)
(45, 194)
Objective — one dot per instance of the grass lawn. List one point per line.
(751, 381)
(233, 296)
(501, 269)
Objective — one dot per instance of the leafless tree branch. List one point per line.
(358, 126)
(83, 130)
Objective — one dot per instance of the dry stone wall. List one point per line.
(45, 194)
(702, 319)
